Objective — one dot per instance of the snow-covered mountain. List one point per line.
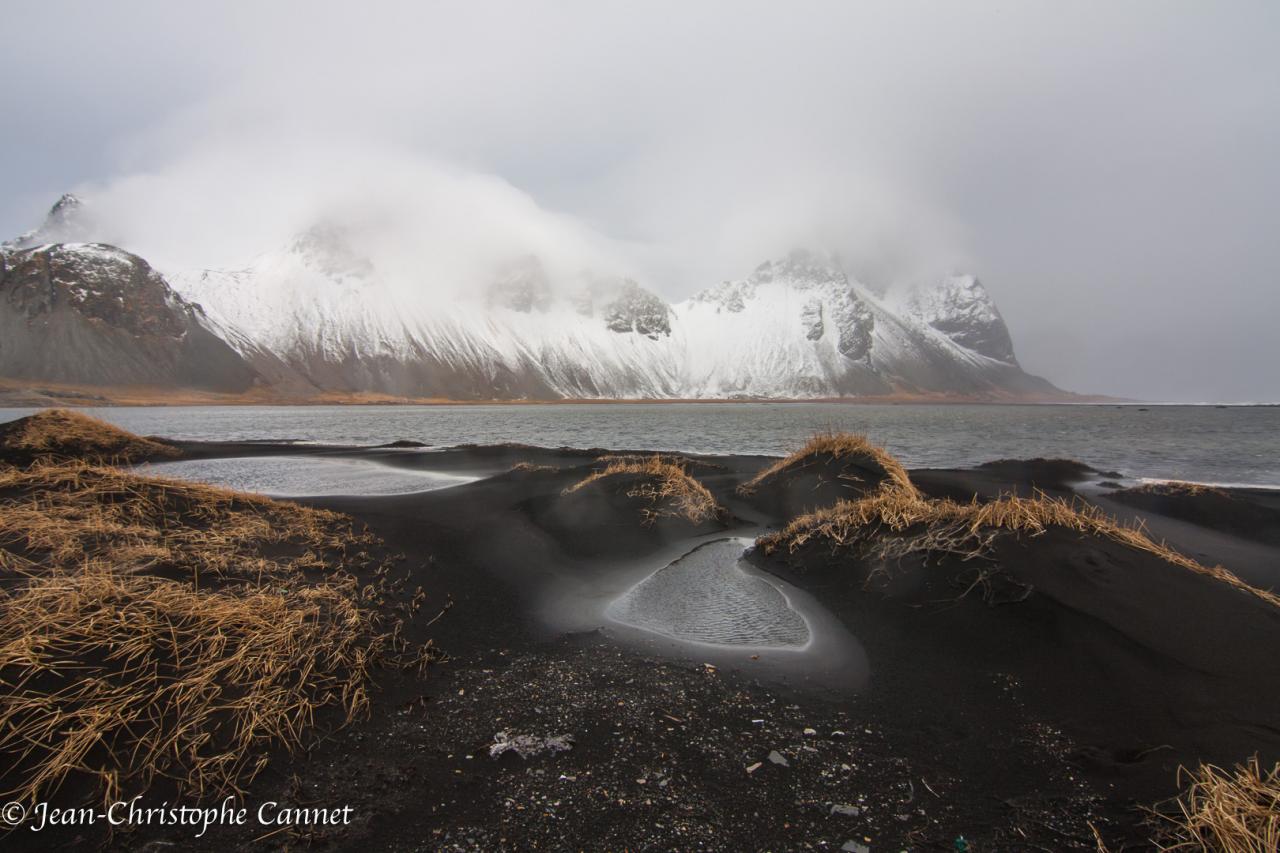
(800, 327)
(330, 316)
(86, 313)
(319, 314)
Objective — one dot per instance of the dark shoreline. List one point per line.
(978, 720)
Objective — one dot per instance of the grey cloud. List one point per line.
(1107, 169)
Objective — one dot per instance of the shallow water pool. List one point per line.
(711, 595)
(305, 476)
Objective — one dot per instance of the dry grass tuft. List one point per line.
(63, 434)
(1176, 488)
(128, 677)
(684, 463)
(837, 445)
(532, 468)
(57, 514)
(1237, 810)
(158, 629)
(893, 523)
(667, 487)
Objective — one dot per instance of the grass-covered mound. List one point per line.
(831, 466)
(893, 524)
(619, 506)
(656, 487)
(64, 434)
(155, 630)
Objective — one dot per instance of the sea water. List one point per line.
(1231, 445)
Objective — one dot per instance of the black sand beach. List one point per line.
(1041, 697)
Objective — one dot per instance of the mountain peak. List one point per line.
(64, 207)
(328, 247)
(802, 267)
(958, 306)
(64, 223)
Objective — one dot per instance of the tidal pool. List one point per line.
(305, 476)
(711, 595)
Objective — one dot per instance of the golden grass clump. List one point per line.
(126, 677)
(682, 462)
(667, 487)
(153, 628)
(532, 467)
(1236, 810)
(893, 523)
(63, 434)
(1176, 488)
(56, 514)
(837, 445)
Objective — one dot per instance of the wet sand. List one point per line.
(1025, 721)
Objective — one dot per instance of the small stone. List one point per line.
(778, 758)
(808, 732)
(845, 809)
(854, 847)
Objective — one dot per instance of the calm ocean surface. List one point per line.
(1238, 445)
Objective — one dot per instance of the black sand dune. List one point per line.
(1141, 664)
(1248, 513)
(1059, 696)
(1020, 477)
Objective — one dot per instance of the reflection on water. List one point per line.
(711, 596)
(305, 476)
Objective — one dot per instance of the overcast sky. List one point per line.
(1108, 169)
